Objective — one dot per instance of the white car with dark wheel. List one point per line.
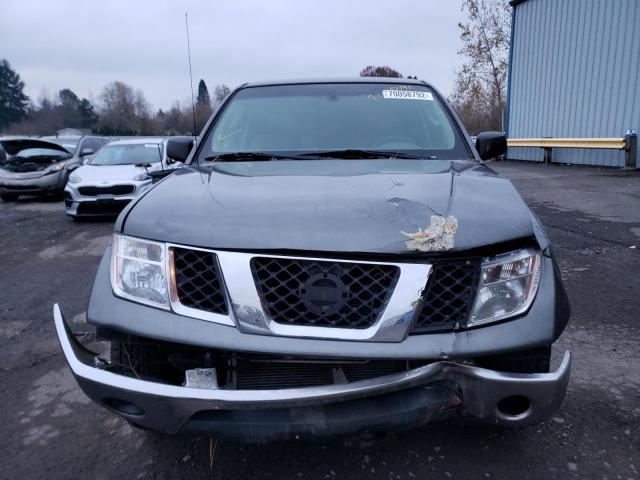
(114, 176)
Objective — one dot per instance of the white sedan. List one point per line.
(114, 176)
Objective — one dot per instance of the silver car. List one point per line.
(80, 146)
(115, 176)
(31, 166)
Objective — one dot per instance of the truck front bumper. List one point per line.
(435, 391)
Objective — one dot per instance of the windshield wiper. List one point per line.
(354, 153)
(252, 156)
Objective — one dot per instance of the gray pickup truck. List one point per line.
(335, 256)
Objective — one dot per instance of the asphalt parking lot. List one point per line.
(49, 429)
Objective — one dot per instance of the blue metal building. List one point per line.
(574, 73)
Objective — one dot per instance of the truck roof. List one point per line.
(337, 80)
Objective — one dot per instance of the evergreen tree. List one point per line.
(76, 112)
(69, 103)
(203, 106)
(88, 115)
(13, 101)
(203, 93)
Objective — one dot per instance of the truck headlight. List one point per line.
(508, 285)
(138, 271)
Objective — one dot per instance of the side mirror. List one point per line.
(179, 148)
(491, 145)
(86, 152)
(86, 160)
(159, 175)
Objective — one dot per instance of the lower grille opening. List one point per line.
(111, 190)
(535, 360)
(167, 363)
(113, 207)
(269, 373)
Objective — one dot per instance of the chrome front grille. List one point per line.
(198, 281)
(323, 293)
(325, 298)
(448, 297)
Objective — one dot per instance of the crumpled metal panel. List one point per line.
(361, 206)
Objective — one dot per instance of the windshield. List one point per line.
(128, 154)
(68, 143)
(311, 118)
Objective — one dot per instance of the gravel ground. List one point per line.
(49, 429)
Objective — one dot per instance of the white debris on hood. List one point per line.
(437, 237)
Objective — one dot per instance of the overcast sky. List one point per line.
(84, 45)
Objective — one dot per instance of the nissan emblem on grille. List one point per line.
(324, 293)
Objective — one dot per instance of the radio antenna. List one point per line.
(193, 103)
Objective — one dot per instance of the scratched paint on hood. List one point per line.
(439, 235)
(330, 206)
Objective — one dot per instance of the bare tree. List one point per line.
(220, 92)
(50, 114)
(121, 110)
(480, 90)
(178, 119)
(125, 111)
(42, 118)
(383, 71)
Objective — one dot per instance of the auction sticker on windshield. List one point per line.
(407, 94)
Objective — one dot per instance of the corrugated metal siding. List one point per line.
(574, 73)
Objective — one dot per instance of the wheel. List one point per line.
(9, 197)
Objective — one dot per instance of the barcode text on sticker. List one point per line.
(407, 94)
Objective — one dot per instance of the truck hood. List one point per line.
(14, 145)
(354, 206)
(20, 160)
